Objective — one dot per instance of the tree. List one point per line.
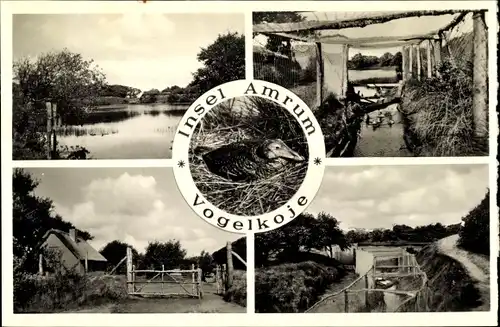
(64, 78)
(277, 43)
(206, 263)
(32, 217)
(115, 251)
(475, 233)
(223, 60)
(328, 234)
(170, 254)
(149, 96)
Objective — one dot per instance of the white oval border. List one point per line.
(220, 218)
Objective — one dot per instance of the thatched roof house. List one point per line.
(73, 252)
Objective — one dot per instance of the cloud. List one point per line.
(133, 209)
(379, 196)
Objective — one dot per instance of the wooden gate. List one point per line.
(151, 282)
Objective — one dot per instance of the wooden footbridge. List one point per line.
(379, 270)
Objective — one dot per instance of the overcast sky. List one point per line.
(380, 196)
(139, 50)
(133, 205)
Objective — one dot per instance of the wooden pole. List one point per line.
(429, 59)
(410, 61)
(366, 293)
(200, 284)
(133, 277)
(437, 55)
(86, 262)
(54, 128)
(346, 302)
(129, 270)
(480, 75)
(217, 279)
(405, 62)
(319, 74)
(48, 106)
(40, 264)
(229, 266)
(162, 269)
(193, 280)
(419, 63)
(345, 71)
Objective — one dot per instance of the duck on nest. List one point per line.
(249, 160)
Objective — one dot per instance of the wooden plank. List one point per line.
(118, 265)
(129, 270)
(239, 258)
(410, 61)
(165, 271)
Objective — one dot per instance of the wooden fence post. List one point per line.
(345, 70)
(162, 279)
(229, 281)
(419, 62)
(366, 292)
(218, 279)
(55, 121)
(410, 61)
(346, 302)
(40, 264)
(480, 75)
(319, 74)
(129, 270)
(437, 56)
(200, 284)
(405, 62)
(429, 59)
(48, 106)
(193, 278)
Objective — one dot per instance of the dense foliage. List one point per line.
(475, 234)
(292, 287)
(32, 217)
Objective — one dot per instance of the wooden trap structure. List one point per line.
(151, 282)
(312, 60)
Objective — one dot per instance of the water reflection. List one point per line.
(128, 132)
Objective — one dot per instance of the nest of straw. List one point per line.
(241, 119)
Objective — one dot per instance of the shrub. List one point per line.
(291, 287)
(438, 113)
(238, 291)
(475, 234)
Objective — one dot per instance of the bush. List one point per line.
(62, 291)
(475, 234)
(238, 291)
(291, 287)
(438, 118)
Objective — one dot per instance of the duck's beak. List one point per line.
(287, 153)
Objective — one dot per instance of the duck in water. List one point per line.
(250, 160)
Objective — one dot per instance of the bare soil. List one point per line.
(210, 303)
(476, 265)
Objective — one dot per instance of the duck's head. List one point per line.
(276, 149)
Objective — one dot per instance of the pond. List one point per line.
(133, 131)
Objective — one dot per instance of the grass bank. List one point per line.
(57, 293)
(450, 288)
(438, 113)
(238, 292)
(292, 287)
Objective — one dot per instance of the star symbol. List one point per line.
(181, 164)
(317, 161)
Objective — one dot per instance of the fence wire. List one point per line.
(289, 63)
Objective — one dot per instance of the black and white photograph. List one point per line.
(118, 240)
(115, 86)
(249, 156)
(383, 84)
(382, 239)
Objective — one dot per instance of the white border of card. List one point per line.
(9, 8)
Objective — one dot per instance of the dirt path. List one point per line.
(385, 141)
(211, 303)
(476, 265)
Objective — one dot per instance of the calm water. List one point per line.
(130, 132)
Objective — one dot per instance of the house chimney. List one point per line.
(72, 234)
